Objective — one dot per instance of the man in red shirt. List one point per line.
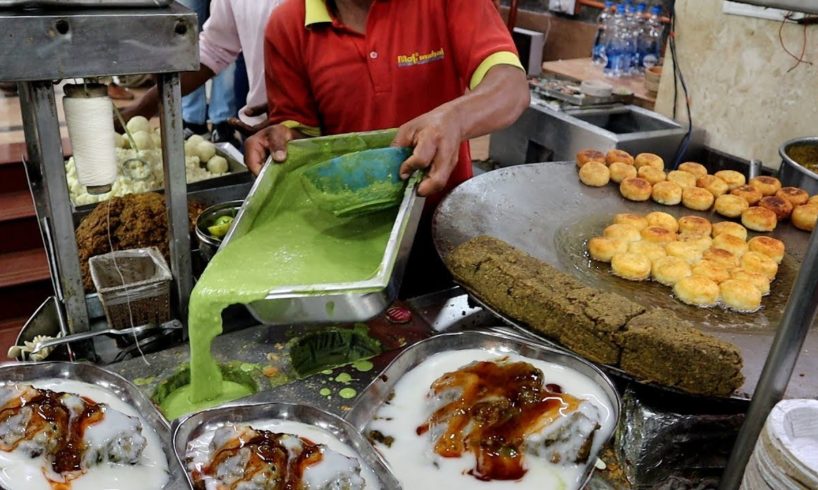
(443, 71)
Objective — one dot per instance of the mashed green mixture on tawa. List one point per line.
(291, 243)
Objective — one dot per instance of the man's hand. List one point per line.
(436, 137)
(147, 106)
(270, 140)
(245, 128)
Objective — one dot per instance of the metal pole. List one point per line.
(46, 171)
(173, 159)
(798, 316)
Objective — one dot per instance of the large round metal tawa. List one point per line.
(545, 211)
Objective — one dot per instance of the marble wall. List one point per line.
(740, 89)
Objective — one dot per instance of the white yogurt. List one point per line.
(198, 449)
(412, 459)
(20, 472)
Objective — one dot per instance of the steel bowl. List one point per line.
(209, 245)
(792, 173)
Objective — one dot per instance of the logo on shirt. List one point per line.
(416, 58)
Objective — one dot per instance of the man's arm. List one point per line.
(499, 99)
(148, 104)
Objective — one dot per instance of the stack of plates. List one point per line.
(786, 454)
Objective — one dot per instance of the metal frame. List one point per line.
(47, 45)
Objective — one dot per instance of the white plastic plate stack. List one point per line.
(786, 454)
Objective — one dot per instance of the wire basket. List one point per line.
(133, 286)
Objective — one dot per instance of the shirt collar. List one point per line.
(316, 12)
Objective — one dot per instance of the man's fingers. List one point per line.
(256, 110)
(441, 170)
(279, 137)
(422, 156)
(256, 149)
(240, 125)
(405, 136)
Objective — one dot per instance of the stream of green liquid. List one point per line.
(291, 242)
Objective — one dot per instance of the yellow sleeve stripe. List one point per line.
(494, 59)
(308, 130)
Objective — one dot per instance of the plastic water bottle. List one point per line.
(602, 24)
(650, 40)
(617, 45)
(631, 51)
(638, 32)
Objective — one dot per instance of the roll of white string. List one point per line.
(91, 129)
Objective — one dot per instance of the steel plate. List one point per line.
(382, 387)
(193, 426)
(545, 211)
(123, 389)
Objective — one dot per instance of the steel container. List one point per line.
(792, 173)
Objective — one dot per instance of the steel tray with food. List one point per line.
(332, 302)
(125, 442)
(469, 408)
(328, 451)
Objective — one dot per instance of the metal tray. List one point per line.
(340, 302)
(368, 403)
(127, 392)
(191, 427)
(237, 174)
(545, 211)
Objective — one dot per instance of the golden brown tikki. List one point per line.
(686, 251)
(766, 185)
(805, 216)
(740, 295)
(720, 256)
(732, 178)
(618, 156)
(781, 207)
(697, 291)
(631, 266)
(649, 160)
(635, 189)
(635, 220)
(760, 281)
(713, 184)
(694, 168)
(585, 156)
(731, 243)
(603, 249)
(711, 270)
(759, 219)
(626, 233)
(684, 179)
(594, 174)
(697, 198)
(657, 234)
(621, 171)
(748, 193)
(665, 220)
(813, 200)
(768, 246)
(702, 242)
(670, 270)
(758, 262)
(653, 251)
(695, 225)
(730, 206)
(667, 193)
(651, 174)
(730, 228)
(794, 195)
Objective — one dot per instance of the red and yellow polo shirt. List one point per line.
(324, 78)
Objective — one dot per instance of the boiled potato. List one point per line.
(157, 139)
(120, 141)
(205, 150)
(217, 165)
(143, 140)
(137, 124)
(195, 139)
